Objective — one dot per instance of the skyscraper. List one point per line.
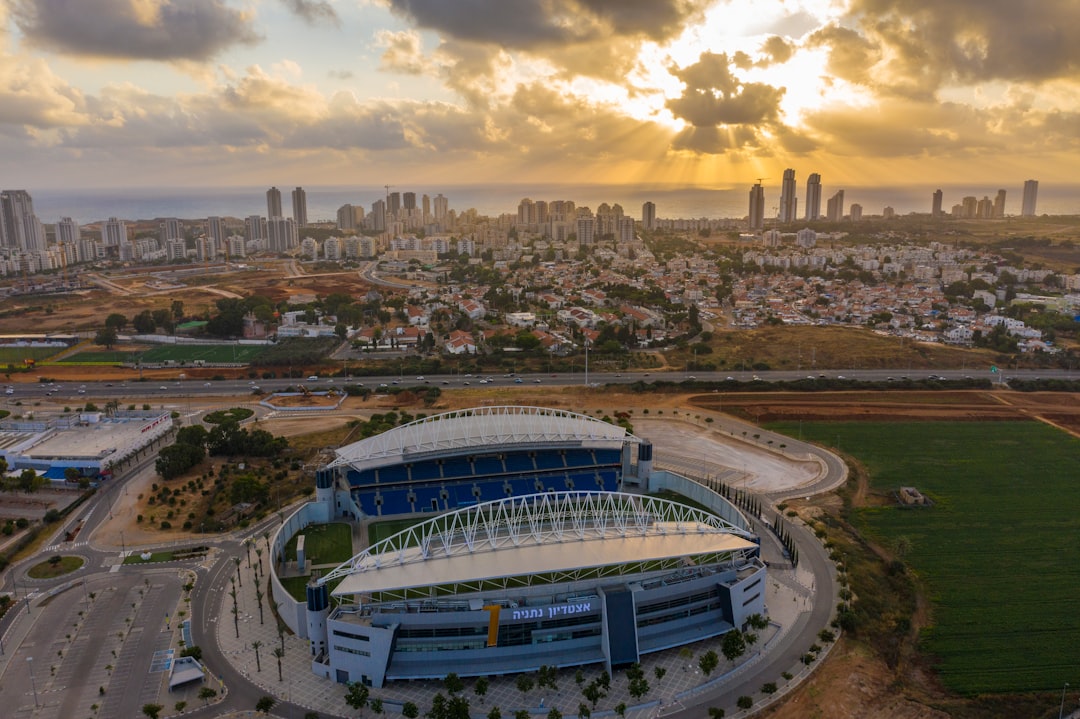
(1031, 193)
(255, 228)
(216, 230)
(67, 231)
(273, 202)
(408, 201)
(19, 226)
(114, 232)
(813, 196)
(425, 206)
(999, 204)
(299, 207)
(442, 204)
(281, 234)
(788, 201)
(935, 207)
(757, 207)
(345, 217)
(648, 216)
(835, 207)
(393, 205)
(171, 229)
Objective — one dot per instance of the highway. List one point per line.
(150, 389)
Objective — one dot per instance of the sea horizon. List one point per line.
(93, 205)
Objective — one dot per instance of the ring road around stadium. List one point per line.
(538, 543)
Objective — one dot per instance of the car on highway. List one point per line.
(163, 387)
(313, 378)
(206, 384)
(536, 381)
(518, 381)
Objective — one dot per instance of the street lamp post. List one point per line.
(29, 660)
(1061, 709)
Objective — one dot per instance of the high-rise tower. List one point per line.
(273, 202)
(835, 210)
(757, 207)
(299, 207)
(813, 196)
(788, 201)
(999, 204)
(648, 216)
(1031, 193)
(935, 207)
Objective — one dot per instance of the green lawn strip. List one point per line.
(49, 569)
(997, 552)
(323, 544)
(206, 353)
(99, 357)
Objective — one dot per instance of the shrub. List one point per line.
(744, 702)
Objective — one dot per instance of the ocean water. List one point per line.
(93, 205)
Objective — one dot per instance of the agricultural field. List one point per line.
(213, 354)
(996, 553)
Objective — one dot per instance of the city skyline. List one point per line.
(135, 93)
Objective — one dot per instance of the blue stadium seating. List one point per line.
(394, 474)
(366, 500)
(455, 468)
(517, 463)
(424, 495)
(486, 466)
(425, 470)
(396, 501)
(549, 460)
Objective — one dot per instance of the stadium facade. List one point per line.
(541, 546)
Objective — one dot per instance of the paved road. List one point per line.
(152, 390)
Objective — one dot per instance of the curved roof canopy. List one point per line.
(480, 427)
(540, 533)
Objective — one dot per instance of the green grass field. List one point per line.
(16, 355)
(175, 353)
(323, 544)
(998, 552)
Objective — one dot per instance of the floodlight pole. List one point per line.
(1061, 709)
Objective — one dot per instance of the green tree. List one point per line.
(495, 713)
(524, 683)
(258, 662)
(116, 321)
(733, 645)
(278, 654)
(206, 694)
(180, 706)
(376, 706)
(357, 695)
(152, 710)
(107, 337)
(481, 688)
(265, 704)
(410, 710)
(453, 683)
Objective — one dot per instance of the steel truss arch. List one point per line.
(532, 521)
(482, 427)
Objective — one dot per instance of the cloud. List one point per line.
(314, 12)
(915, 48)
(402, 52)
(713, 96)
(134, 29)
(32, 96)
(597, 38)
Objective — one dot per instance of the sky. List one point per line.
(711, 93)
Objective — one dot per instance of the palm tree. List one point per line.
(238, 578)
(278, 654)
(258, 662)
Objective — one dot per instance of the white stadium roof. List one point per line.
(561, 533)
(482, 427)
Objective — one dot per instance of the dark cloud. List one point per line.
(313, 12)
(529, 24)
(851, 56)
(134, 29)
(713, 95)
(919, 46)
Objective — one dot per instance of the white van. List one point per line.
(313, 378)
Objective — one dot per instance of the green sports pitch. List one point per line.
(211, 354)
(997, 552)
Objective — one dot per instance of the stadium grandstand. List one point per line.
(537, 543)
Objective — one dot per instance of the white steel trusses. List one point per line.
(481, 427)
(536, 520)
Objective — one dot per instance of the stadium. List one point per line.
(539, 541)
